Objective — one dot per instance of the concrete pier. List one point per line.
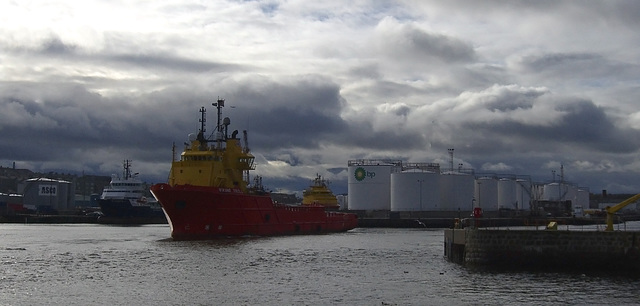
(586, 250)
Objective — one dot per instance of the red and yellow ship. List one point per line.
(208, 194)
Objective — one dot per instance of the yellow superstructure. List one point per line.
(221, 162)
(319, 193)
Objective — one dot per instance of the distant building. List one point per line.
(10, 177)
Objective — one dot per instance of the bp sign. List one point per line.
(360, 174)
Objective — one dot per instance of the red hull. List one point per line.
(206, 212)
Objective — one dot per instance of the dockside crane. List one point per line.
(612, 210)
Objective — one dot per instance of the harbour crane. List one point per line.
(612, 210)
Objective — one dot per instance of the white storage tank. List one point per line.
(415, 191)
(369, 186)
(486, 193)
(555, 192)
(582, 199)
(456, 191)
(537, 191)
(523, 194)
(342, 201)
(47, 195)
(507, 193)
(571, 194)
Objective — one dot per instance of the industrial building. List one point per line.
(426, 191)
(47, 195)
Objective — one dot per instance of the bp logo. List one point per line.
(361, 174)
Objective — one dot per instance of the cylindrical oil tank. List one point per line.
(582, 199)
(40, 193)
(571, 194)
(555, 192)
(415, 191)
(342, 201)
(537, 191)
(523, 194)
(369, 187)
(486, 193)
(507, 193)
(456, 191)
(47, 194)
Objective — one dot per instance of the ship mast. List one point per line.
(127, 169)
(219, 104)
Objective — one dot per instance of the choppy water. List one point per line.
(111, 265)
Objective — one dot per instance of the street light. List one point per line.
(479, 194)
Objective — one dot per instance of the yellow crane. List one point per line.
(612, 210)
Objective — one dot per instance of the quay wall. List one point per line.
(544, 248)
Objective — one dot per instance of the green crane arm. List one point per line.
(612, 210)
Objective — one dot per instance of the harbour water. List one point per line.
(91, 264)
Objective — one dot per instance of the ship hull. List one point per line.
(122, 209)
(198, 213)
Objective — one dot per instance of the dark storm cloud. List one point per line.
(288, 127)
(71, 122)
(55, 48)
(587, 11)
(440, 46)
(364, 137)
(406, 42)
(302, 112)
(64, 118)
(581, 126)
(585, 123)
(156, 61)
(576, 65)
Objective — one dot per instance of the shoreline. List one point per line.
(363, 222)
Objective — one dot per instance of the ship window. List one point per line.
(181, 204)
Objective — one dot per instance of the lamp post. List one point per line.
(479, 194)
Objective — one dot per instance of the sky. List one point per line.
(514, 87)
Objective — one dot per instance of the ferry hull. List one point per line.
(122, 208)
(197, 213)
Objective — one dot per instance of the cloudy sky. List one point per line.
(515, 87)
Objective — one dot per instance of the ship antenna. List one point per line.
(127, 169)
(219, 105)
(203, 119)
